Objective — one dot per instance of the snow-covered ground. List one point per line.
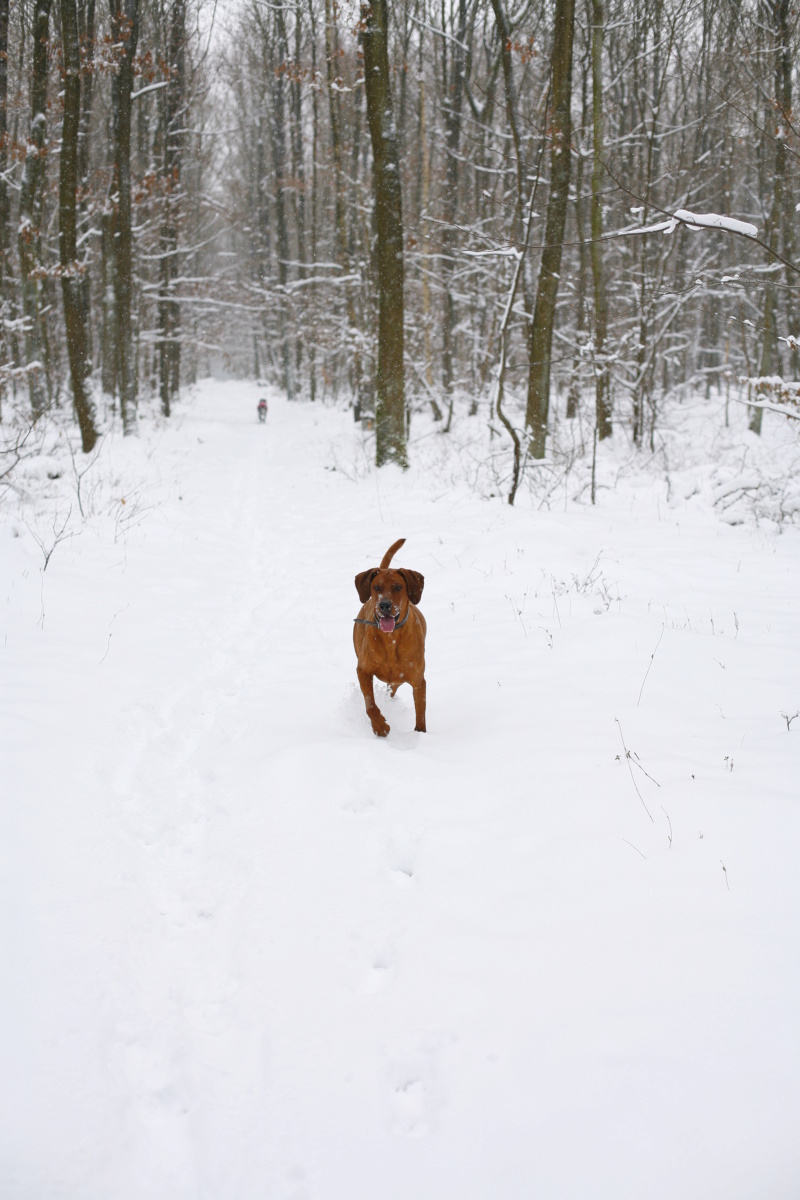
(249, 950)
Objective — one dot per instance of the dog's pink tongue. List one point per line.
(387, 624)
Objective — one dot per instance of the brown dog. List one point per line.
(389, 636)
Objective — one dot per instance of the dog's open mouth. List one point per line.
(387, 623)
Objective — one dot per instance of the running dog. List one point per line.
(389, 636)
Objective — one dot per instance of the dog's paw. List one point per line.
(379, 727)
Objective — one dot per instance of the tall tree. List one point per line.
(540, 338)
(169, 346)
(778, 14)
(512, 116)
(30, 214)
(4, 213)
(342, 256)
(390, 416)
(602, 392)
(280, 56)
(125, 35)
(454, 93)
(108, 248)
(71, 269)
(86, 32)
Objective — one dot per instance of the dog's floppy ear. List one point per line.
(414, 583)
(364, 583)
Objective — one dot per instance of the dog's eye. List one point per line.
(397, 587)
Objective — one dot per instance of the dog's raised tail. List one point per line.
(390, 553)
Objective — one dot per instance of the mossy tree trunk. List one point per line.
(169, 346)
(71, 269)
(30, 216)
(540, 338)
(390, 417)
(602, 390)
(125, 34)
(779, 11)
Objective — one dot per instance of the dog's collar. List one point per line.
(377, 622)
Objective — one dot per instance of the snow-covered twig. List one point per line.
(649, 665)
(784, 412)
(633, 781)
(694, 221)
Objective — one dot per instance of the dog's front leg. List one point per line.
(379, 726)
(419, 706)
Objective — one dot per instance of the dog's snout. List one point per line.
(385, 604)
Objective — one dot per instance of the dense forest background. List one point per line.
(188, 188)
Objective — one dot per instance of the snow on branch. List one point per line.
(712, 221)
(151, 87)
(776, 394)
(693, 221)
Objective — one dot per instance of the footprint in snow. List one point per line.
(376, 978)
(373, 966)
(414, 1088)
(400, 858)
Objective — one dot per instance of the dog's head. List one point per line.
(392, 592)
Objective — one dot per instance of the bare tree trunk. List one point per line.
(340, 223)
(4, 207)
(74, 313)
(30, 213)
(643, 388)
(312, 356)
(390, 417)
(125, 33)
(331, 46)
(86, 33)
(108, 370)
(784, 91)
(263, 254)
(425, 191)
(169, 347)
(770, 360)
(602, 391)
(574, 393)
(455, 93)
(506, 39)
(298, 168)
(282, 230)
(541, 331)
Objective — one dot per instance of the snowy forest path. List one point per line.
(259, 952)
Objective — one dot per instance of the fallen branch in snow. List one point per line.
(740, 483)
(633, 781)
(789, 719)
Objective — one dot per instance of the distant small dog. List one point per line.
(262, 411)
(389, 636)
